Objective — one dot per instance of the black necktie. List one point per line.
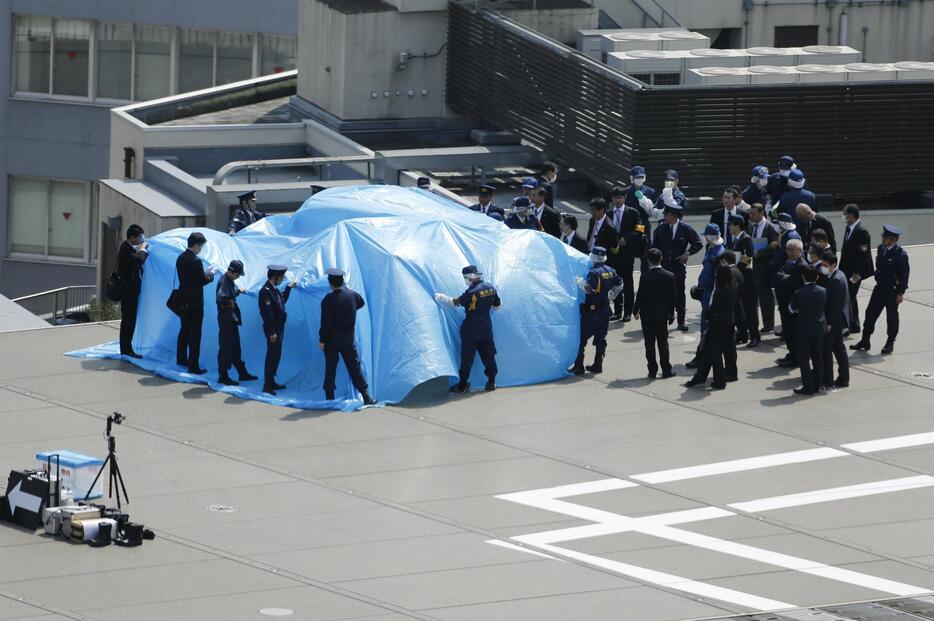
(846, 235)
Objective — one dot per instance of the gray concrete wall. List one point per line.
(895, 32)
(6, 26)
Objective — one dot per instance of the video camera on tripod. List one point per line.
(115, 478)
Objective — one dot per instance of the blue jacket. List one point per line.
(685, 240)
(792, 198)
(531, 222)
(478, 300)
(244, 218)
(633, 202)
(272, 309)
(600, 280)
(892, 268)
(776, 186)
(708, 275)
(227, 309)
(339, 315)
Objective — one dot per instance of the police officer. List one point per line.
(336, 336)
(677, 241)
(272, 310)
(228, 324)
(706, 280)
(521, 218)
(246, 214)
(891, 283)
(601, 285)
(642, 198)
(796, 195)
(778, 182)
(477, 329)
(485, 204)
(755, 192)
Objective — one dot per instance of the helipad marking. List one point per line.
(739, 465)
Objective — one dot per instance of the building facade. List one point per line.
(67, 65)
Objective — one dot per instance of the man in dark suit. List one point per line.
(676, 241)
(837, 313)
(762, 230)
(548, 180)
(855, 259)
(569, 234)
(547, 216)
(891, 283)
(132, 254)
(655, 306)
(600, 232)
(809, 303)
(748, 331)
(485, 204)
(810, 221)
(721, 217)
(628, 226)
(192, 278)
(788, 280)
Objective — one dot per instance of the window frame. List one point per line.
(90, 208)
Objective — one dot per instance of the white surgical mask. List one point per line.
(669, 185)
(467, 281)
(785, 226)
(638, 181)
(776, 226)
(761, 181)
(824, 270)
(710, 238)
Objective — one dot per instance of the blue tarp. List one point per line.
(398, 247)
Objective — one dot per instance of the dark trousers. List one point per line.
(854, 305)
(834, 348)
(273, 355)
(469, 349)
(881, 298)
(594, 325)
(625, 300)
(764, 296)
(749, 305)
(346, 349)
(718, 353)
(128, 308)
(228, 347)
(810, 362)
(680, 274)
(188, 347)
(789, 323)
(655, 333)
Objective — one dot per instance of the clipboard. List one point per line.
(759, 244)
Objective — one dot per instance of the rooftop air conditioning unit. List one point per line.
(773, 56)
(715, 76)
(677, 40)
(821, 73)
(914, 70)
(828, 55)
(711, 57)
(869, 72)
(630, 41)
(772, 74)
(645, 61)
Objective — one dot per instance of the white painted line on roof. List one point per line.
(887, 444)
(563, 491)
(833, 493)
(739, 465)
(512, 546)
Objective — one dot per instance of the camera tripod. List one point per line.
(115, 478)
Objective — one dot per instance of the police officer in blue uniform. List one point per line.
(706, 280)
(891, 283)
(336, 335)
(677, 241)
(485, 204)
(521, 218)
(796, 195)
(778, 182)
(228, 324)
(246, 214)
(272, 310)
(642, 198)
(601, 285)
(477, 329)
(756, 191)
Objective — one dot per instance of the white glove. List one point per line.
(646, 203)
(212, 270)
(498, 308)
(668, 198)
(446, 300)
(582, 284)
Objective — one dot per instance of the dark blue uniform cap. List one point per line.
(423, 181)
(521, 201)
(785, 217)
(600, 251)
(530, 182)
(712, 229)
(891, 231)
(236, 266)
(786, 161)
(247, 195)
(737, 220)
(637, 171)
(671, 175)
(333, 271)
(470, 269)
(277, 270)
(675, 209)
(486, 190)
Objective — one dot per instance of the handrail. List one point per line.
(230, 167)
(49, 292)
(58, 305)
(665, 13)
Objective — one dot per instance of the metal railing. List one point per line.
(60, 306)
(663, 13)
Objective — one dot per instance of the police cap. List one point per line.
(236, 267)
(891, 231)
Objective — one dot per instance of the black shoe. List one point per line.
(578, 368)
(627, 317)
(682, 327)
(786, 363)
(328, 396)
(716, 386)
(227, 381)
(889, 347)
(732, 378)
(692, 382)
(652, 374)
(766, 328)
(827, 387)
(490, 386)
(246, 377)
(742, 339)
(197, 371)
(837, 383)
(855, 331)
(753, 342)
(278, 386)
(269, 390)
(596, 367)
(367, 399)
(616, 316)
(460, 388)
(692, 363)
(803, 391)
(667, 374)
(131, 354)
(862, 344)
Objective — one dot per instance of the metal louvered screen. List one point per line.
(871, 141)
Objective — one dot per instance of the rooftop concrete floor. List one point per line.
(387, 514)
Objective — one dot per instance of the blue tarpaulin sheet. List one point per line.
(398, 247)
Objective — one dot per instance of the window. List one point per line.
(196, 60)
(234, 57)
(115, 61)
(795, 36)
(277, 54)
(153, 62)
(49, 217)
(33, 50)
(70, 46)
